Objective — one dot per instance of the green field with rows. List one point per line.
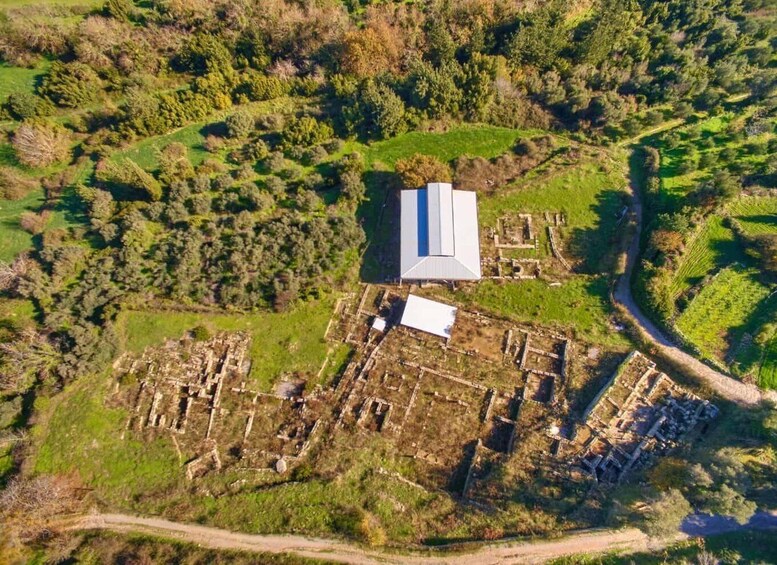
(714, 246)
(756, 214)
(726, 309)
(767, 376)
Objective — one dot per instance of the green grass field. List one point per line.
(473, 140)
(83, 435)
(713, 246)
(756, 214)
(591, 195)
(290, 342)
(18, 79)
(13, 239)
(767, 373)
(145, 152)
(723, 310)
(581, 304)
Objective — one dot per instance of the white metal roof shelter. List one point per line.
(429, 316)
(439, 234)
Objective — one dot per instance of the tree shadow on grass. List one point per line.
(597, 246)
(379, 217)
(72, 207)
(762, 219)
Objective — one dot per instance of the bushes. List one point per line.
(418, 170)
(70, 85)
(13, 185)
(305, 131)
(25, 105)
(129, 175)
(256, 87)
(35, 223)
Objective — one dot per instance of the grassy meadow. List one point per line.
(282, 343)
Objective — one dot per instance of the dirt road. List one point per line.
(586, 542)
(598, 541)
(737, 391)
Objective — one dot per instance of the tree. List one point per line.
(14, 185)
(70, 84)
(128, 174)
(382, 112)
(729, 502)
(435, 90)
(540, 38)
(33, 222)
(765, 247)
(666, 241)
(174, 163)
(371, 51)
(239, 125)
(28, 506)
(40, 144)
(418, 170)
(26, 105)
(204, 53)
(305, 131)
(665, 513)
(477, 83)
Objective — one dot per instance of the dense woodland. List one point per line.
(279, 221)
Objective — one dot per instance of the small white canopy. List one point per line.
(379, 324)
(429, 316)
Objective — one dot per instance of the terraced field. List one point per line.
(756, 214)
(722, 320)
(723, 311)
(767, 375)
(714, 246)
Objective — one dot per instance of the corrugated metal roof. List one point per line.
(417, 261)
(440, 219)
(429, 316)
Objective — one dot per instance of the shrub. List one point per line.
(418, 170)
(70, 84)
(200, 333)
(13, 185)
(305, 131)
(527, 148)
(25, 105)
(314, 155)
(259, 87)
(34, 223)
(128, 174)
(239, 125)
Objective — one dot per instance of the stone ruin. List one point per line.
(198, 393)
(413, 387)
(511, 250)
(638, 415)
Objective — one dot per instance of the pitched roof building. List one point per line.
(439, 234)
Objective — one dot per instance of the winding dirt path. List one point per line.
(732, 389)
(596, 541)
(629, 540)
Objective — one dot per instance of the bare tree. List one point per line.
(29, 506)
(10, 273)
(40, 145)
(31, 355)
